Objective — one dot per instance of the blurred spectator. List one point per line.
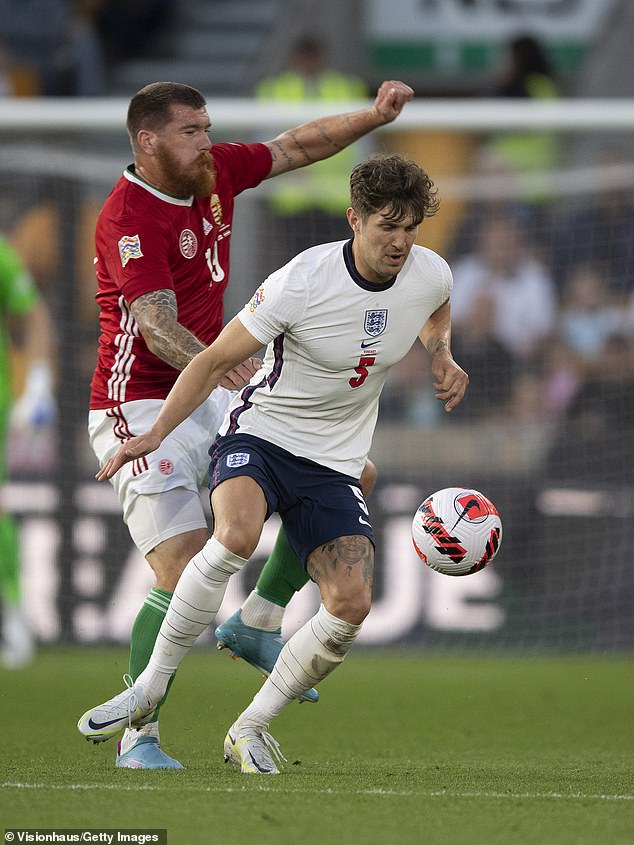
(561, 372)
(59, 55)
(597, 433)
(79, 63)
(601, 232)
(129, 28)
(495, 196)
(490, 365)
(7, 82)
(309, 205)
(25, 320)
(588, 316)
(526, 406)
(528, 74)
(521, 289)
(35, 29)
(408, 397)
(628, 317)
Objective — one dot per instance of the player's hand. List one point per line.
(241, 375)
(134, 448)
(390, 99)
(450, 380)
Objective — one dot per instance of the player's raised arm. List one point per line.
(322, 138)
(233, 345)
(450, 380)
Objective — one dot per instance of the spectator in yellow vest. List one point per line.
(528, 75)
(309, 207)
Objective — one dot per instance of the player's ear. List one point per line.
(353, 219)
(146, 141)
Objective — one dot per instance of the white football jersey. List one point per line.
(331, 338)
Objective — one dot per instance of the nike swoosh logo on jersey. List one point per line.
(365, 345)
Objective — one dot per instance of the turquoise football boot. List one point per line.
(146, 753)
(257, 647)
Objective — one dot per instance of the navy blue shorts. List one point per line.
(316, 504)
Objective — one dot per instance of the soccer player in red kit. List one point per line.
(162, 243)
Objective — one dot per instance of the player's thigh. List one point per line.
(169, 528)
(153, 518)
(239, 510)
(325, 504)
(343, 569)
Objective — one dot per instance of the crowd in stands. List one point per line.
(64, 47)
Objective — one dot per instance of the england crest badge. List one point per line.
(375, 322)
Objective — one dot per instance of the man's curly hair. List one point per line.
(392, 182)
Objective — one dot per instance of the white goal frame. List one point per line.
(108, 114)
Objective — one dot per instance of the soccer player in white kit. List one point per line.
(295, 440)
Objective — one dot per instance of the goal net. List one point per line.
(537, 222)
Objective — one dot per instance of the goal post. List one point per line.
(546, 432)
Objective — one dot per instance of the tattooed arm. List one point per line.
(156, 314)
(322, 138)
(450, 380)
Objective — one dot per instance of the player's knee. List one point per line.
(351, 605)
(241, 539)
(169, 558)
(167, 579)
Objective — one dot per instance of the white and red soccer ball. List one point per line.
(457, 531)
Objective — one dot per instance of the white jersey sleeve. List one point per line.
(277, 305)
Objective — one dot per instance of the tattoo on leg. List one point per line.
(343, 554)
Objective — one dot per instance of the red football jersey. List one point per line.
(147, 240)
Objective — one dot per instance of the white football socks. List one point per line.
(307, 658)
(194, 605)
(261, 613)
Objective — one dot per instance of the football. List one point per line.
(457, 531)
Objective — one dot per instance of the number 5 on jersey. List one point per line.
(365, 361)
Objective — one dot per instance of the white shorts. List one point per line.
(160, 493)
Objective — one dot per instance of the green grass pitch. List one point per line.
(406, 747)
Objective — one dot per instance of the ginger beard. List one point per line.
(196, 179)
